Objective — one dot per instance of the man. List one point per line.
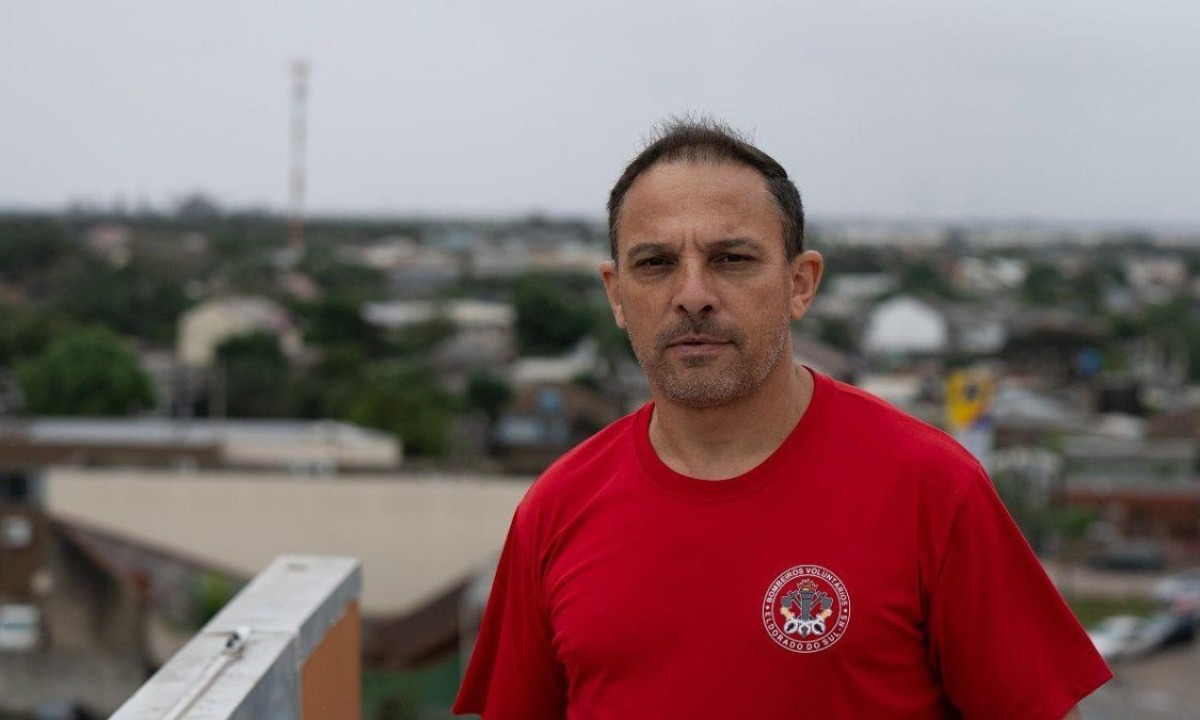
(759, 541)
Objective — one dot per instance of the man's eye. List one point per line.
(732, 258)
(651, 262)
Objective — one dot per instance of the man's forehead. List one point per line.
(698, 176)
(680, 193)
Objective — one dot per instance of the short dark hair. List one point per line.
(706, 140)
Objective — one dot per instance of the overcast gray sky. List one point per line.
(1021, 109)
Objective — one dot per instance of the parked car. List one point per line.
(1122, 637)
(20, 627)
(1181, 593)
(1117, 637)
(1165, 629)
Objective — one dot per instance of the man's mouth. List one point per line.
(697, 342)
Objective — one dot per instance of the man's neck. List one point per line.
(726, 441)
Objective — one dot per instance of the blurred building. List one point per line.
(303, 446)
(1145, 490)
(482, 337)
(547, 418)
(203, 328)
(905, 327)
(82, 636)
(112, 242)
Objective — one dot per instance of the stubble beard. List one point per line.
(707, 382)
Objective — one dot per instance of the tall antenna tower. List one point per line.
(299, 146)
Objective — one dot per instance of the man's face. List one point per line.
(702, 284)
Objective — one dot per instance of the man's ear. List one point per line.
(806, 269)
(608, 273)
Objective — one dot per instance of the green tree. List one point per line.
(924, 277)
(550, 318)
(337, 320)
(341, 278)
(29, 246)
(86, 371)
(254, 375)
(488, 394)
(836, 332)
(1175, 324)
(327, 387)
(211, 592)
(26, 330)
(129, 300)
(407, 401)
(420, 338)
(1043, 286)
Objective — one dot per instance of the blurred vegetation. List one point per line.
(924, 277)
(28, 246)
(407, 400)
(336, 321)
(85, 371)
(128, 299)
(1044, 286)
(211, 592)
(253, 376)
(25, 330)
(424, 693)
(487, 394)
(551, 314)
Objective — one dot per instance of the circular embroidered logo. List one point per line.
(806, 609)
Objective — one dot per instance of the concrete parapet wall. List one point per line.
(287, 647)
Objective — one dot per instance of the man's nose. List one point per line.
(695, 293)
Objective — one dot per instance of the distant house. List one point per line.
(988, 276)
(1050, 343)
(560, 369)
(516, 257)
(862, 287)
(416, 270)
(849, 293)
(1156, 279)
(545, 419)
(1024, 417)
(1146, 490)
(476, 320)
(556, 404)
(385, 253)
(905, 327)
(112, 242)
(976, 329)
(203, 328)
(483, 338)
(1182, 424)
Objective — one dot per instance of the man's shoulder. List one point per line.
(873, 422)
(582, 471)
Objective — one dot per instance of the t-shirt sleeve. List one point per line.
(1001, 637)
(514, 673)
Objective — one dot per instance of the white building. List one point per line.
(203, 328)
(905, 326)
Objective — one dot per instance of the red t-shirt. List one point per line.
(866, 569)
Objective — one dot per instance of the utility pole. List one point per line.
(298, 148)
